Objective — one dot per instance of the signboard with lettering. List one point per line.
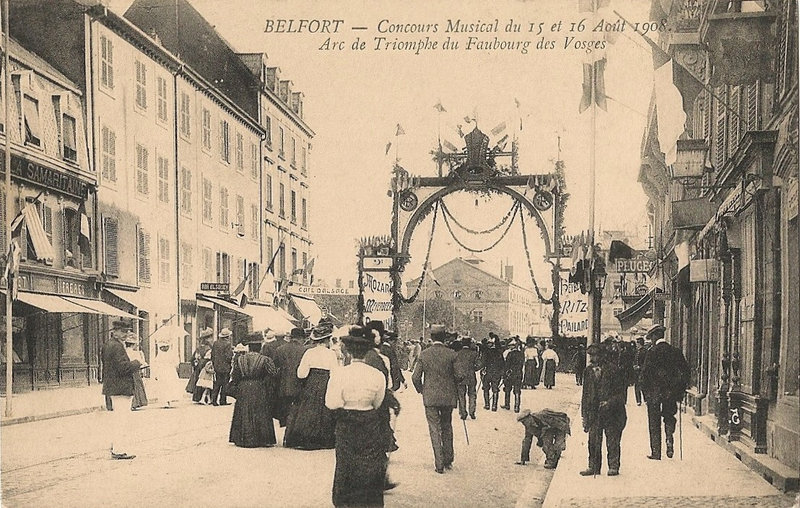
(377, 289)
(49, 178)
(222, 287)
(574, 316)
(637, 264)
(377, 263)
(314, 290)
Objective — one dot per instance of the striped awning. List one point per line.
(41, 244)
(633, 314)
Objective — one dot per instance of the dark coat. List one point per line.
(395, 371)
(287, 359)
(434, 376)
(665, 374)
(222, 355)
(515, 360)
(118, 369)
(373, 359)
(603, 397)
(467, 362)
(271, 348)
(494, 362)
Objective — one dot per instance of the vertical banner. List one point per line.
(377, 289)
(574, 317)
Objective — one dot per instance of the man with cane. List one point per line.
(664, 379)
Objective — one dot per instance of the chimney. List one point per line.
(285, 92)
(509, 275)
(273, 78)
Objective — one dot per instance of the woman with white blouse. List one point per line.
(312, 426)
(356, 392)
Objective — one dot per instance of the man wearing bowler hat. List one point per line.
(664, 379)
(434, 377)
(221, 357)
(118, 372)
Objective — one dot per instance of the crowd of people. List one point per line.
(338, 393)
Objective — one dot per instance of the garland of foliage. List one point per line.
(413, 297)
(515, 208)
(530, 266)
(485, 231)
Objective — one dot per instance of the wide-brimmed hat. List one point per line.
(225, 333)
(298, 333)
(439, 333)
(323, 331)
(205, 333)
(525, 413)
(241, 348)
(357, 335)
(656, 331)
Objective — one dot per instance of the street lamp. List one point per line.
(599, 283)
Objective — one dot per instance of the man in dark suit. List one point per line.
(287, 359)
(434, 377)
(118, 372)
(512, 377)
(467, 362)
(221, 357)
(664, 379)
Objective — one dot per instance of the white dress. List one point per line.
(164, 375)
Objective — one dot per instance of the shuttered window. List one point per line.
(734, 120)
(186, 191)
(107, 62)
(223, 207)
(254, 222)
(141, 85)
(753, 111)
(186, 264)
(720, 137)
(163, 180)
(161, 88)
(142, 176)
(253, 161)
(47, 222)
(207, 201)
(143, 254)
(109, 154)
(239, 152)
(163, 260)
(111, 245)
(207, 265)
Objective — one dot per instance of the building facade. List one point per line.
(725, 223)
(57, 314)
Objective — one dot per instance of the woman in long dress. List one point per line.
(252, 374)
(311, 426)
(134, 353)
(529, 379)
(550, 359)
(356, 392)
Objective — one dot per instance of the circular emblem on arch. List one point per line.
(543, 200)
(408, 201)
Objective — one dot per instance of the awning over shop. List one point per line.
(41, 245)
(633, 314)
(222, 303)
(98, 307)
(132, 297)
(308, 308)
(267, 318)
(67, 304)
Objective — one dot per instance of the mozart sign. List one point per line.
(377, 289)
(573, 319)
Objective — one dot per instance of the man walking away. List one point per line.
(638, 363)
(435, 379)
(512, 378)
(221, 358)
(603, 410)
(467, 362)
(118, 372)
(665, 377)
(494, 368)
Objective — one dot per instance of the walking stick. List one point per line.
(680, 428)
(466, 434)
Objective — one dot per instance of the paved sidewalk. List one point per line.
(55, 403)
(707, 476)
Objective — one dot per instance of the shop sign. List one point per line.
(377, 263)
(54, 285)
(573, 320)
(222, 287)
(638, 264)
(314, 290)
(791, 198)
(49, 178)
(377, 289)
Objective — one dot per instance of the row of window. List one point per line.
(283, 145)
(270, 204)
(280, 261)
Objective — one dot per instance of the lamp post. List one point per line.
(598, 285)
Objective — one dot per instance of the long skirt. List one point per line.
(529, 376)
(358, 479)
(139, 395)
(550, 373)
(251, 425)
(311, 425)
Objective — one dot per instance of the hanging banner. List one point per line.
(574, 316)
(377, 291)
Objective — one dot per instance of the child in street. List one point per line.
(550, 429)
(205, 379)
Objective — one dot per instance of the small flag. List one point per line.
(497, 130)
(432, 276)
(439, 107)
(593, 81)
(450, 146)
(85, 236)
(399, 131)
(240, 288)
(388, 146)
